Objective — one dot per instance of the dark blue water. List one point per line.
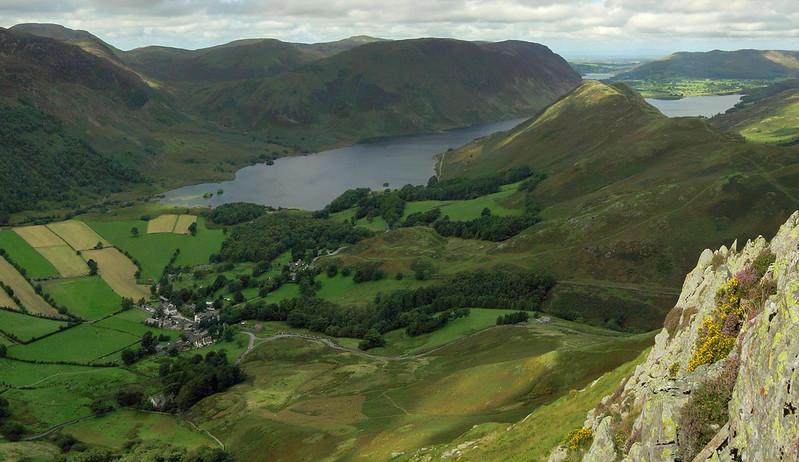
(311, 182)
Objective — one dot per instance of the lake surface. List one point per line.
(707, 106)
(310, 182)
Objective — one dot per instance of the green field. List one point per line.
(375, 224)
(153, 251)
(65, 394)
(87, 297)
(306, 401)
(26, 327)
(114, 429)
(397, 342)
(470, 209)
(344, 291)
(284, 292)
(678, 88)
(19, 251)
(82, 344)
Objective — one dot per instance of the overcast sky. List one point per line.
(574, 28)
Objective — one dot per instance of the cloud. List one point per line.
(569, 24)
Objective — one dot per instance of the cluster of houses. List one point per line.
(296, 267)
(165, 315)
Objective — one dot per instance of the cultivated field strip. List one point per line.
(23, 290)
(183, 223)
(162, 224)
(77, 234)
(39, 236)
(118, 271)
(65, 260)
(6, 301)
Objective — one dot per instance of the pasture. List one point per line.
(153, 251)
(118, 271)
(87, 297)
(39, 236)
(35, 265)
(501, 203)
(25, 327)
(65, 395)
(65, 259)
(82, 344)
(115, 429)
(23, 290)
(162, 224)
(183, 223)
(307, 401)
(77, 234)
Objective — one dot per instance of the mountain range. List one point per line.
(180, 116)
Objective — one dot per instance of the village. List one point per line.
(165, 315)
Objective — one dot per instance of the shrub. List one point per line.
(719, 331)
(705, 410)
(579, 439)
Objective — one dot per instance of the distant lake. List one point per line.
(598, 76)
(707, 106)
(310, 182)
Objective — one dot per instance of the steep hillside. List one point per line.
(80, 38)
(716, 64)
(393, 88)
(632, 195)
(719, 384)
(767, 115)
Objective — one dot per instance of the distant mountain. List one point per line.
(768, 115)
(180, 116)
(716, 64)
(631, 195)
(394, 88)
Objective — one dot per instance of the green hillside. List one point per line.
(716, 64)
(393, 88)
(632, 196)
(767, 115)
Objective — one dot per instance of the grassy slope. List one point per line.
(363, 409)
(633, 196)
(770, 115)
(534, 437)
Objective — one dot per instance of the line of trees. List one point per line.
(191, 379)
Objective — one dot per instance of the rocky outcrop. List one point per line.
(641, 421)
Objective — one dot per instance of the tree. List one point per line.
(486, 212)
(193, 229)
(92, 267)
(372, 339)
(12, 431)
(128, 398)
(422, 269)
(3, 351)
(134, 231)
(127, 304)
(129, 357)
(148, 342)
(100, 407)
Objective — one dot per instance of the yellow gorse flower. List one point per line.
(713, 344)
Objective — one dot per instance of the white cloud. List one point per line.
(599, 26)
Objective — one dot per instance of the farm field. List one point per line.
(77, 234)
(343, 290)
(398, 342)
(87, 297)
(25, 327)
(39, 236)
(183, 223)
(72, 345)
(464, 210)
(153, 251)
(19, 251)
(23, 290)
(65, 395)
(6, 300)
(65, 260)
(162, 224)
(119, 272)
(115, 429)
(360, 408)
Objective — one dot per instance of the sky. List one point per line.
(574, 28)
